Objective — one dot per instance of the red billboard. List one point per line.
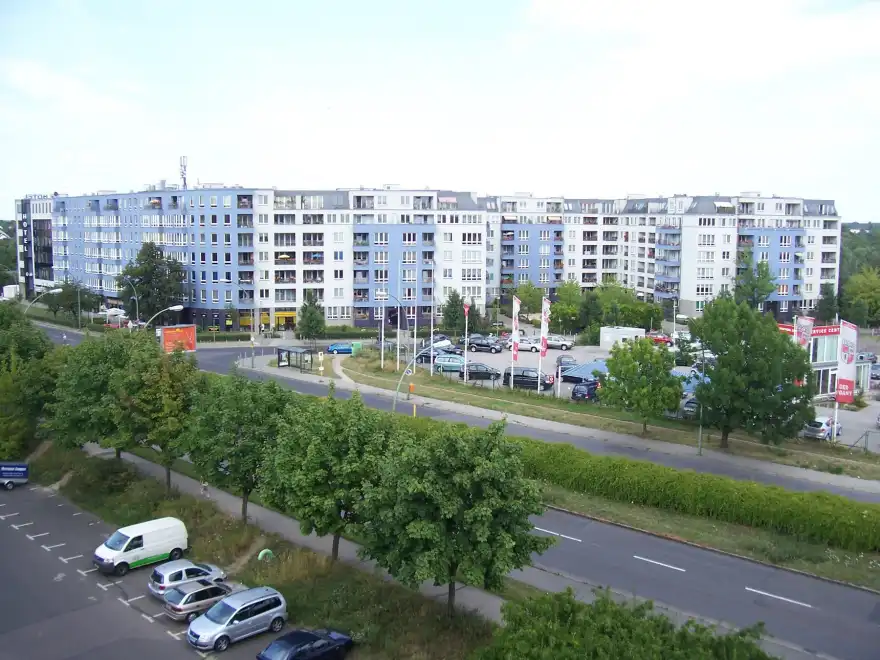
(818, 330)
(178, 338)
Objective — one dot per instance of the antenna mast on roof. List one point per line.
(183, 171)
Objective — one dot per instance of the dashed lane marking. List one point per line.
(31, 537)
(67, 559)
(782, 598)
(562, 536)
(109, 584)
(658, 563)
(84, 573)
(50, 548)
(78, 513)
(18, 527)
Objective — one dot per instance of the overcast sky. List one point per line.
(588, 98)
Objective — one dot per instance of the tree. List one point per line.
(753, 284)
(232, 314)
(74, 298)
(857, 313)
(311, 323)
(760, 381)
(157, 279)
(560, 627)
(865, 286)
(569, 293)
(640, 378)
(453, 313)
(476, 321)
(530, 298)
(323, 457)
(826, 307)
(8, 260)
(53, 303)
(451, 505)
(232, 426)
(19, 428)
(18, 335)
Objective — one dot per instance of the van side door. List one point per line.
(134, 553)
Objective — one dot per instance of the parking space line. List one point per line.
(202, 653)
(31, 537)
(156, 616)
(18, 527)
(175, 635)
(78, 513)
(147, 617)
(62, 504)
(32, 488)
(8, 515)
(128, 602)
(50, 548)
(109, 584)
(2, 504)
(84, 573)
(67, 559)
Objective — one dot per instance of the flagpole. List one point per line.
(466, 310)
(433, 299)
(514, 347)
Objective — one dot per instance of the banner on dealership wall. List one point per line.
(803, 330)
(514, 346)
(846, 362)
(545, 324)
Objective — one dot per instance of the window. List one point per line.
(447, 236)
(264, 293)
(263, 238)
(227, 201)
(705, 273)
(264, 274)
(784, 257)
(725, 272)
(409, 257)
(763, 256)
(472, 238)
(380, 258)
(783, 305)
(763, 241)
(472, 274)
(784, 273)
(522, 249)
(409, 238)
(447, 255)
(544, 263)
(338, 274)
(408, 275)
(705, 239)
(471, 257)
(380, 275)
(262, 200)
(725, 256)
(215, 296)
(704, 290)
(262, 219)
(782, 289)
(338, 256)
(339, 292)
(704, 256)
(785, 241)
(447, 273)
(380, 238)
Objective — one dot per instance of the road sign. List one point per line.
(320, 356)
(408, 372)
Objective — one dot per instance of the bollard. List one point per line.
(414, 410)
(412, 390)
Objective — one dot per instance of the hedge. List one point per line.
(810, 516)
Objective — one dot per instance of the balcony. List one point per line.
(313, 242)
(589, 279)
(507, 236)
(313, 260)
(554, 207)
(313, 219)
(310, 277)
(669, 245)
(245, 221)
(285, 203)
(423, 203)
(829, 260)
(111, 205)
(285, 296)
(245, 201)
(558, 264)
(285, 278)
(361, 240)
(506, 281)
(284, 259)
(363, 202)
(154, 203)
(361, 259)
(246, 241)
(361, 280)
(60, 207)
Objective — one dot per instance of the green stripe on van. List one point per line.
(150, 560)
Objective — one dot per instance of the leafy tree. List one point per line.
(569, 293)
(857, 313)
(324, 456)
(476, 321)
(8, 260)
(753, 283)
(590, 311)
(864, 286)
(311, 324)
(826, 306)
(232, 313)
(530, 298)
(453, 504)
(19, 335)
(53, 303)
(640, 378)
(232, 426)
(560, 627)
(19, 428)
(74, 298)
(761, 380)
(453, 313)
(157, 279)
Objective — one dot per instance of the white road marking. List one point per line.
(562, 536)
(67, 559)
(91, 523)
(109, 584)
(34, 488)
(203, 654)
(50, 548)
(130, 600)
(2, 505)
(156, 616)
(59, 577)
(175, 635)
(84, 573)
(78, 513)
(31, 537)
(147, 617)
(651, 561)
(787, 600)
(18, 527)
(8, 515)
(62, 504)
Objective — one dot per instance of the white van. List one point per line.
(138, 545)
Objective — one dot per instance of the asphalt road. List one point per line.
(221, 360)
(55, 606)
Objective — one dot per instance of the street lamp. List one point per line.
(40, 296)
(173, 308)
(137, 310)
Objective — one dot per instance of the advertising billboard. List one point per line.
(803, 330)
(846, 362)
(178, 338)
(545, 325)
(514, 347)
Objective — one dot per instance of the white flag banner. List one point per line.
(545, 325)
(803, 330)
(846, 362)
(514, 347)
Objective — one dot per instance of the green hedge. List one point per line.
(813, 516)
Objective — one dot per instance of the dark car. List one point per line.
(424, 356)
(586, 391)
(308, 645)
(527, 378)
(875, 372)
(478, 371)
(564, 362)
(485, 345)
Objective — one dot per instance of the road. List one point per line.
(57, 607)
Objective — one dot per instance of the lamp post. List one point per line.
(173, 308)
(137, 308)
(382, 346)
(40, 296)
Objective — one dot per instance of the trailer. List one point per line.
(13, 474)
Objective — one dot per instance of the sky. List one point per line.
(582, 98)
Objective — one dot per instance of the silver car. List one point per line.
(822, 428)
(558, 341)
(532, 344)
(186, 601)
(174, 573)
(238, 616)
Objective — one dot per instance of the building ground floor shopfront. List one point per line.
(824, 348)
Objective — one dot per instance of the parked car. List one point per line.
(479, 371)
(448, 363)
(557, 341)
(175, 573)
(532, 344)
(527, 378)
(424, 356)
(586, 391)
(867, 356)
(564, 362)
(821, 428)
(340, 349)
(238, 616)
(187, 601)
(308, 645)
(497, 324)
(485, 345)
(660, 338)
(875, 372)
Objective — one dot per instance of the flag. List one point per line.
(467, 308)
(545, 324)
(515, 338)
(803, 330)
(846, 362)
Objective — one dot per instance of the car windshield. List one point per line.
(219, 613)
(174, 596)
(204, 567)
(277, 650)
(117, 541)
(816, 424)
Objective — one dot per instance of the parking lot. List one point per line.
(57, 605)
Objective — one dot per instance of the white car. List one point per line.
(532, 344)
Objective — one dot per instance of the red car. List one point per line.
(660, 338)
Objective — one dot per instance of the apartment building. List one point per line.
(254, 253)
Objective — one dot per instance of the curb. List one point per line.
(700, 546)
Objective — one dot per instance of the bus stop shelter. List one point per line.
(296, 357)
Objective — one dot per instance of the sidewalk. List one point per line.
(468, 598)
(642, 444)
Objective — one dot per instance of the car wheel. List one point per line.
(335, 352)
(122, 569)
(473, 349)
(221, 644)
(277, 624)
(191, 617)
(494, 376)
(493, 350)
(175, 554)
(565, 347)
(534, 349)
(9, 485)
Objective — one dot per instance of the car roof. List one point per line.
(197, 585)
(241, 598)
(151, 525)
(171, 566)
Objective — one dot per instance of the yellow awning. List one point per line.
(285, 315)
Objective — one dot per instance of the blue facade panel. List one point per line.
(782, 247)
(528, 245)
